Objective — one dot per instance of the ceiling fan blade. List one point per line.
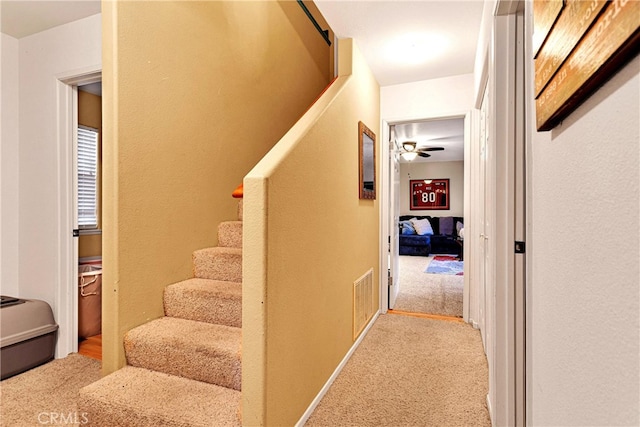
(431, 149)
(421, 154)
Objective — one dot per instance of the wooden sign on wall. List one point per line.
(578, 45)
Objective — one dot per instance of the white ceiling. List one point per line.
(374, 24)
(448, 134)
(23, 18)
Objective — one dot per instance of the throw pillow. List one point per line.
(422, 226)
(459, 226)
(406, 228)
(446, 225)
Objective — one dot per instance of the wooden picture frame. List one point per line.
(429, 194)
(578, 46)
(366, 162)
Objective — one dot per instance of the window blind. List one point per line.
(87, 178)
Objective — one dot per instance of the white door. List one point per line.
(66, 290)
(394, 198)
(482, 193)
(76, 231)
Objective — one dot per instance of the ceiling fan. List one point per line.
(410, 150)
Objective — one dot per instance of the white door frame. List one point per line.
(386, 204)
(507, 386)
(394, 200)
(65, 293)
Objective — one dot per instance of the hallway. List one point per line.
(410, 371)
(421, 292)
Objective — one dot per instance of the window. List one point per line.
(87, 178)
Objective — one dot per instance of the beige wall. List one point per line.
(195, 93)
(90, 114)
(454, 171)
(308, 237)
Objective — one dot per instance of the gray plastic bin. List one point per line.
(89, 300)
(28, 335)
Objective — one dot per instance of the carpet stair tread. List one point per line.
(197, 350)
(230, 234)
(218, 263)
(205, 300)
(139, 397)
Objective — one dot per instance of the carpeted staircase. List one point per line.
(183, 369)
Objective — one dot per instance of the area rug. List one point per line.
(445, 265)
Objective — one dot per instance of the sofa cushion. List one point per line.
(414, 240)
(446, 225)
(422, 226)
(406, 228)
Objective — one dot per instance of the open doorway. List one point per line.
(396, 183)
(429, 208)
(66, 289)
(89, 202)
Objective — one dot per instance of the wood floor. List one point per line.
(427, 316)
(91, 347)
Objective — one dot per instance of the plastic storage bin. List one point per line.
(28, 335)
(89, 300)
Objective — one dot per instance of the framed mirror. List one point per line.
(367, 161)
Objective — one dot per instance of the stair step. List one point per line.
(204, 300)
(230, 234)
(196, 350)
(139, 397)
(218, 263)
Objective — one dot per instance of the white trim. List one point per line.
(65, 294)
(490, 409)
(484, 80)
(336, 372)
(383, 181)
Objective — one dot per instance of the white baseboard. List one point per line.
(490, 409)
(335, 374)
(475, 324)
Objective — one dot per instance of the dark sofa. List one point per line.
(440, 242)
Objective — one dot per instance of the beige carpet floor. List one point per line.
(410, 372)
(48, 394)
(428, 293)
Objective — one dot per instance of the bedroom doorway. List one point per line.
(89, 195)
(66, 291)
(445, 141)
(428, 212)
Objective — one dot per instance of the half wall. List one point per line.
(307, 238)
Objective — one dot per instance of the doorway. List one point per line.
(447, 149)
(430, 196)
(66, 289)
(89, 180)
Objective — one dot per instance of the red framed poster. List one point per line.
(429, 194)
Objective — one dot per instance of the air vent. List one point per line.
(363, 302)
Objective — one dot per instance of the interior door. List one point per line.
(75, 226)
(394, 198)
(482, 239)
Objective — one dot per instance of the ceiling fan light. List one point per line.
(409, 156)
(409, 145)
